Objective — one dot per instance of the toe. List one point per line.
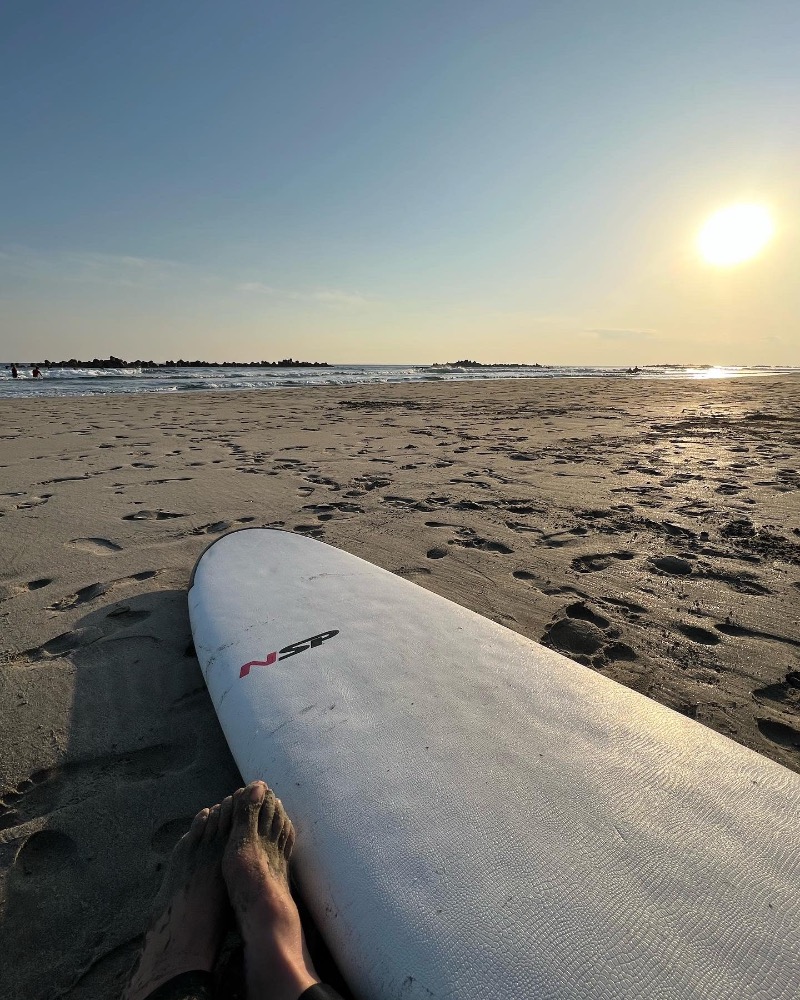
(212, 823)
(286, 837)
(278, 820)
(195, 831)
(225, 816)
(290, 839)
(247, 805)
(267, 814)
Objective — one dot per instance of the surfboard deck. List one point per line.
(479, 816)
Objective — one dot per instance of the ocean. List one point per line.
(104, 381)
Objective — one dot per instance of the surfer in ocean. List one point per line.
(234, 858)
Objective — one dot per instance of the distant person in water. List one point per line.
(14, 372)
(36, 373)
(235, 856)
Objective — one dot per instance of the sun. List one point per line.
(735, 234)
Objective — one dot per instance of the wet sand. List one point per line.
(650, 530)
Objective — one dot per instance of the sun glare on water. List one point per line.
(735, 234)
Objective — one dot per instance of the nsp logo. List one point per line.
(291, 650)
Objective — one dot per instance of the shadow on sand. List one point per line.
(87, 840)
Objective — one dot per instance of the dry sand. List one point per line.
(648, 529)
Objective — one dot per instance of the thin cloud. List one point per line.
(86, 267)
(337, 297)
(119, 269)
(257, 288)
(332, 297)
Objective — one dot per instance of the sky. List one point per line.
(396, 181)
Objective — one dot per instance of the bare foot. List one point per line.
(255, 870)
(191, 909)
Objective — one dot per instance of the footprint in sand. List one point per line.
(258, 472)
(173, 479)
(696, 633)
(412, 572)
(484, 544)
(34, 502)
(9, 591)
(327, 511)
(124, 616)
(325, 481)
(786, 691)
(778, 732)
(94, 590)
(470, 540)
(152, 515)
(369, 483)
(521, 526)
(217, 527)
(559, 539)
(66, 642)
(586, 636)
(407, 503)
(598, 561)
(523, 508)
(45, 854)
(741, 583)
(75, 781)
(69, 479)
(672, 565)
(97, 546)
(82, 596)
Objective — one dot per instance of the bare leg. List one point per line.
(254, 866)
(191, 908)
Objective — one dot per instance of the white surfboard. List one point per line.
(479, 816)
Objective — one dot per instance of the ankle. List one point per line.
(284, 979)
(277, 960)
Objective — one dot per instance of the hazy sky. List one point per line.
(396, 180)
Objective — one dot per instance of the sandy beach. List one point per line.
(648, 529)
